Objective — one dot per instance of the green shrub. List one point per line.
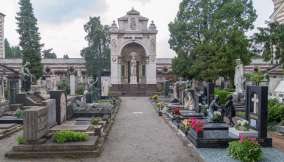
(80, 89)
(95, 120)
(64, 86)
(245, 150)
(19, 114)
(20, 140)
(69, 136)
(223, 94)
(275, 111)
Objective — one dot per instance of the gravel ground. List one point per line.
(138, 135)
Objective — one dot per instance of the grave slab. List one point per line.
(251, 133)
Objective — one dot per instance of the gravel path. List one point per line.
(138, 135)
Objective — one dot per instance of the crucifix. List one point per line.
(255, 103)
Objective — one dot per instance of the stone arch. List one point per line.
(133, 51)
(138, 42)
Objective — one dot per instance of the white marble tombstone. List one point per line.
(239, 77)
(72, 85)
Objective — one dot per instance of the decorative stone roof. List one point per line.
(133, 12)
(2, 14)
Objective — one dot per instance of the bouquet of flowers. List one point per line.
(217, 117)
(197, 125)
(176, 111)
(242, 125)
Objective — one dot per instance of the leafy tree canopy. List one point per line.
(29, 37)
(269, 41)
(97, 54)
(12, 51)
(208, 36)
(48, 54)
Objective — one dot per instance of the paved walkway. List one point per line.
(138, 135)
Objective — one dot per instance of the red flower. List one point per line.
(176, 111)
(197, 125)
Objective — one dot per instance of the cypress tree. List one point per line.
(29, 37)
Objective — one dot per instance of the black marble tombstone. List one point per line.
(61, 105)
(13, 90)
(166, 88)
(88, 98)
(210, 92)
(256, 112)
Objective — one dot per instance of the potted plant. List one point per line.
(217, 117)
(245, 150)
(197, 127)
(242, 125)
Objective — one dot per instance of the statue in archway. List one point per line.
(133, 63)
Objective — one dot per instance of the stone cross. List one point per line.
(255, 103)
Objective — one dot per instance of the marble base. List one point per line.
(251, 133)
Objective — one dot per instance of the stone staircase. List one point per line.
(134, 90)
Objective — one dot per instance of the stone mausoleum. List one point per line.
(133, 55)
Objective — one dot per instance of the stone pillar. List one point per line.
(151, 77)
(72, 85)
(2, 89)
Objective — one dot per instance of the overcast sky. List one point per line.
(61, 21)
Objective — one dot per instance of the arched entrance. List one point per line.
(133, 64)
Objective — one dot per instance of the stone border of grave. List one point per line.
(74, 151)
(192, 149)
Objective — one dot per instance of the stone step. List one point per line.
(62, 154)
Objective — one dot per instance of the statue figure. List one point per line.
(189, 101)
(239, 77)
(214, 106)
(230, 110)
(133, 63)
(26, 77)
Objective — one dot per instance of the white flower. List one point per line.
(217, 113)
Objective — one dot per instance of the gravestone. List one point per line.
(256, 111)
(13, 90)
(166, 88)
(72, 85)
(210, 92)
(51, 108)
(61, 105)
(35, 124)
(106, 83)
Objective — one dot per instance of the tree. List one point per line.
(12, 51)
(48, 54)
(97, 54)
(66, 56)
(29, 37)
(8, 51)
(270, 42)
(210, 35)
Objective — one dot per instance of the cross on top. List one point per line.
(255, 101)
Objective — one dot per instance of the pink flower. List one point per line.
(252, 139)
(242, 137)
(241, 141)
